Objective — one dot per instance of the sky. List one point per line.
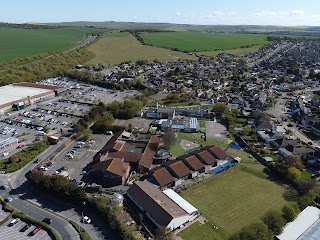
(204, 12)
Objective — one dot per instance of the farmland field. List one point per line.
(233, 199)
(122, 47)
(18, 43)
(197, 41)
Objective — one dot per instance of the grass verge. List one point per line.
(82, 232)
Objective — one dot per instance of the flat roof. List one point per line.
(14, 93)
(305, 226)
(184, 204)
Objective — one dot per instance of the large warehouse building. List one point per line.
(19, 95)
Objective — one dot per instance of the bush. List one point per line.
(252, 232)
(290, 212)
(274, 221)
(22, 158)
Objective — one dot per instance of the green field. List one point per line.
(197, 41)
(18, 43)
(121, 47)
(231, 200)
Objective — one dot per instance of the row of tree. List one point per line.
(44, 68)
(70, 192)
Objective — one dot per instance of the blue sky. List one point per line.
(232, 12)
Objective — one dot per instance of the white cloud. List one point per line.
(297, 12)
(178, 13)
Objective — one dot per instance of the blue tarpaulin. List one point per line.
(234, 145)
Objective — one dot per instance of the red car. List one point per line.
(35, 231)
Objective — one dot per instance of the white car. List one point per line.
(86, 219)
(5, 154)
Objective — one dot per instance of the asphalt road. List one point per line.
(58, 223)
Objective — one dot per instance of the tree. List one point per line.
(252, 232)
(290, 212)
(219, 108)
(293, 173)
(168, 139)
(274, 221)
(163, 234)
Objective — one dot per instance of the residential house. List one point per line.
(193, 163)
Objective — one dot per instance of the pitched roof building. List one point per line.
(161, 210)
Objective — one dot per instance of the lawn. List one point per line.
(196, 137)
(233, 199)
(197, 41)
(176, 150)
(114, 49)
(19, 43)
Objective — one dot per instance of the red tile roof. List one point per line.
(150, 150)
(163, 177)
(217, 152)
(115, 166)
(179, 168)
(193, 162)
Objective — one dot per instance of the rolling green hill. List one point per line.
(18, 43)
(197, 41)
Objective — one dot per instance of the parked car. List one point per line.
(86, 219)
(25, 228)
(4, 187)
(35, 231)
(14, 221)
(8, 199)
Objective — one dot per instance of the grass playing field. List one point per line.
(122, 47)
(233, 199)
(19, 43)
(197, 41)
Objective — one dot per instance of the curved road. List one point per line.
(18, 180)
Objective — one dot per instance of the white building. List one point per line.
(305, 227)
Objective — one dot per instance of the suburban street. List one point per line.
(279, 111)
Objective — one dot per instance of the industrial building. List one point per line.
(19, 95)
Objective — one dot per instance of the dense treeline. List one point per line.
(66, 190)
(45, 68)
(101, 117)
(29, 26)
(90, 78)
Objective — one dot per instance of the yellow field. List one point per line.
(237, 51)
(122, 48)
